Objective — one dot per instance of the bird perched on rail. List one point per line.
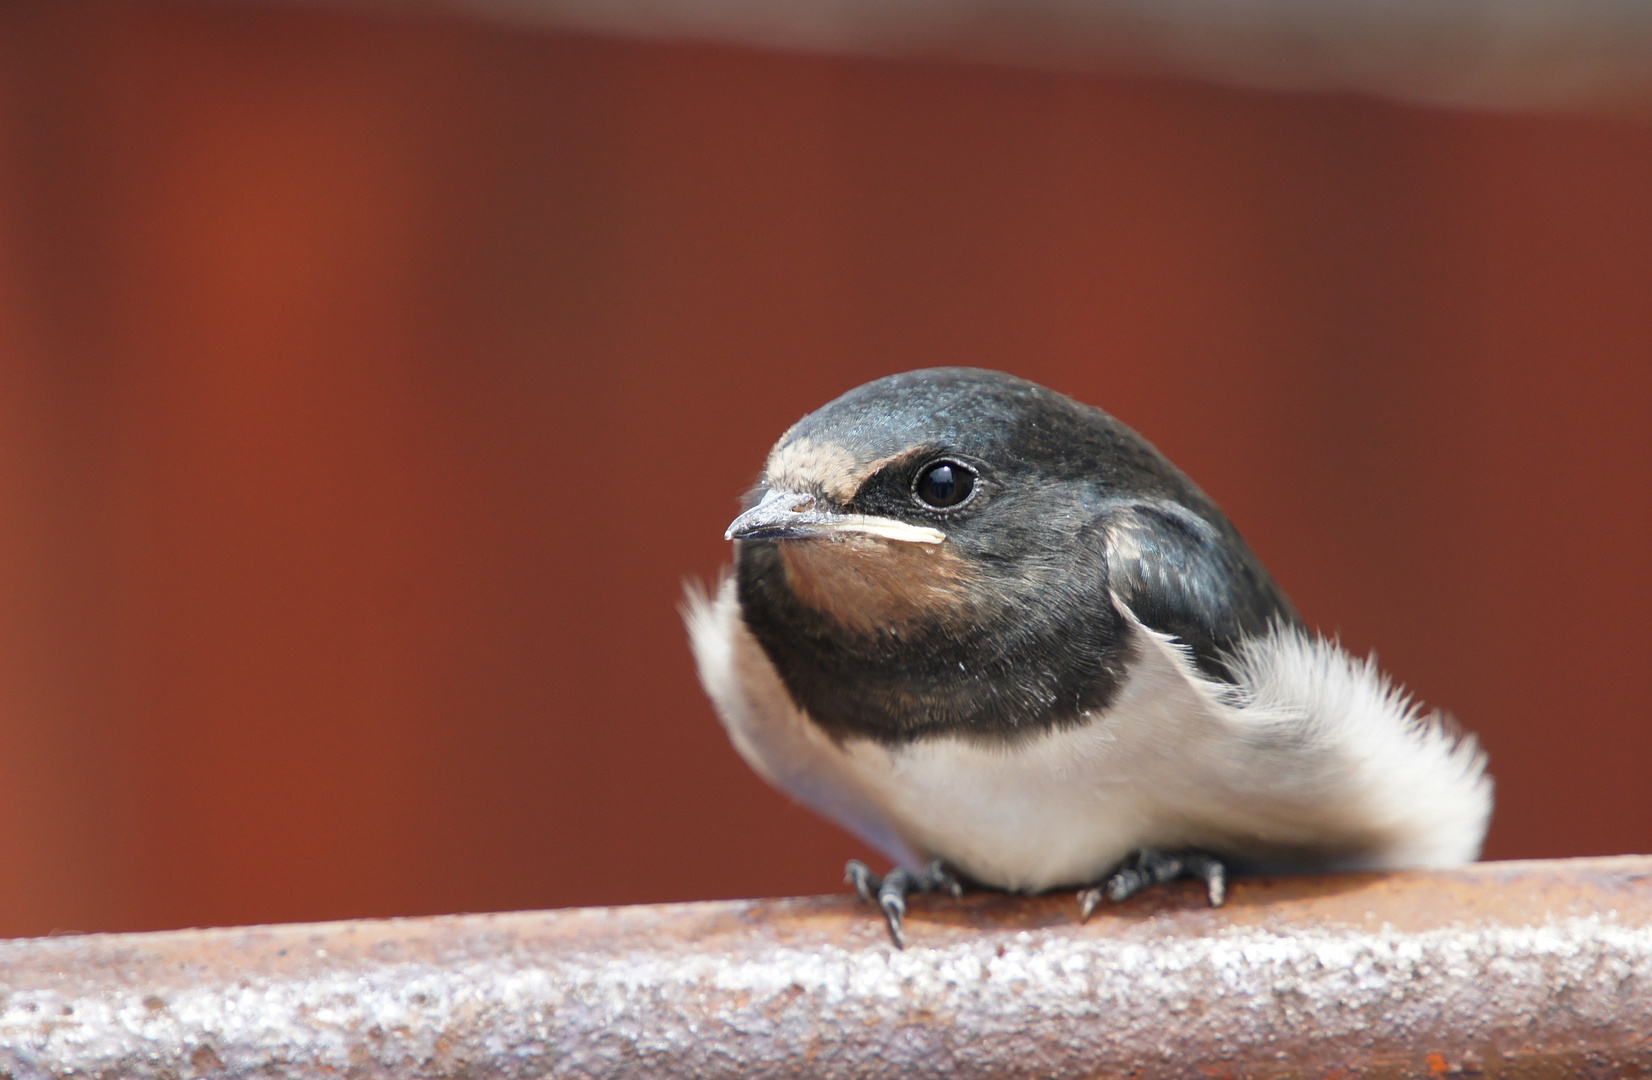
(996, 634)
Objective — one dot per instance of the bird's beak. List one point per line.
(788, 515)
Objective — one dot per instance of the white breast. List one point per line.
(1312, 753)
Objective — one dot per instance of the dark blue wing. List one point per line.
(1182, 575)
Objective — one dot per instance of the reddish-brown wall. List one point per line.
(368, 387)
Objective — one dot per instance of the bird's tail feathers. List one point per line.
(1417, 779)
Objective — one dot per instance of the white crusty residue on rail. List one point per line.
(589, 1012)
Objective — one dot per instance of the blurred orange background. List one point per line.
(369, 386)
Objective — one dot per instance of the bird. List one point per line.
(995, 634)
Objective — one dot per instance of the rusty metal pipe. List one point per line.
(1500, 969)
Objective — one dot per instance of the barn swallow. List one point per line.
(998, 636)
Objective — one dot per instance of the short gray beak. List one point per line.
(790, 515)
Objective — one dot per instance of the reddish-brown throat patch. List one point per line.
(867, 584)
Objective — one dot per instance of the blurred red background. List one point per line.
(369, 385)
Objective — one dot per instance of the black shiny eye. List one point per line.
(941, 484)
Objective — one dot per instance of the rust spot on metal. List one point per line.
(1499, 970)
(205, 1059)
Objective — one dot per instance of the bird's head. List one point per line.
(921, 499)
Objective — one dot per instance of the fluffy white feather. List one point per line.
(1313, 760)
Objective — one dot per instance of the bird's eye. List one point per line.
(941, 484)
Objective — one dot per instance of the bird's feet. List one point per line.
(1147, 868)
(890, 891)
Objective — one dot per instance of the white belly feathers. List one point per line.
(1313, 759)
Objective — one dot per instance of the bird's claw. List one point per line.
(890, 891)
(1147, 868)
(860, 875)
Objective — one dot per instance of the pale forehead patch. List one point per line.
(805, 465)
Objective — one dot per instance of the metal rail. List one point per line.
(1501, 969)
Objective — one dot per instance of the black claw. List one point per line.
(890, 891)
(1211, 871)
(860, 875)
(937, 878)
(892, 899)
(1148, 867)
